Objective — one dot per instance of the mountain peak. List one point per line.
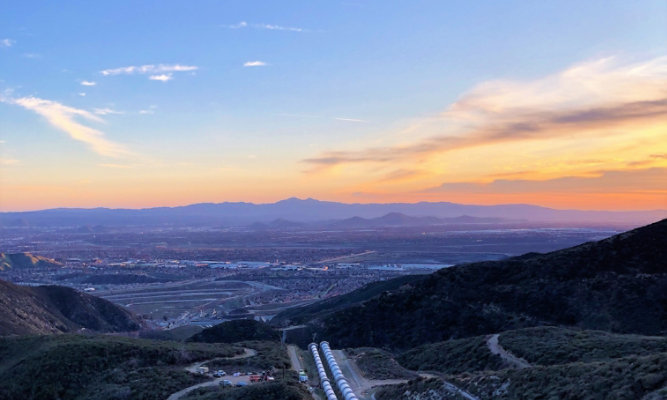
(295, 199)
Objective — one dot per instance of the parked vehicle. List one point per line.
(219, 373)
(241, 384)
(226, 383)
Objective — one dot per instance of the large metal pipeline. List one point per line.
(324, 380)
(340, 379)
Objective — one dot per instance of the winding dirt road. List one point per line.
(511, 359)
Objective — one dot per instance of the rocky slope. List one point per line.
(25, 260)
(54, 309)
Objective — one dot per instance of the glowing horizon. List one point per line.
(318, 106)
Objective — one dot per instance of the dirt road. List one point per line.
(297, 364)
(194, 368)
(359, 384)
(365, 388)
(511, 359)
(215, 382)
(294, 358)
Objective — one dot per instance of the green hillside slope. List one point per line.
(98, 367)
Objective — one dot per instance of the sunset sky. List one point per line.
(160, 103)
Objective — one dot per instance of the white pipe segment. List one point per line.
(340, 379)
(324, 380)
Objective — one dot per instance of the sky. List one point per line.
(161, 103)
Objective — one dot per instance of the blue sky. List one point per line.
(328, 76)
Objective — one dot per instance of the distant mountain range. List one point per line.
(618, 284)
(391, 220)
(57, 309)
(295, 210)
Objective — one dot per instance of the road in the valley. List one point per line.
(294, 358)
(194, 368)
(297, 364)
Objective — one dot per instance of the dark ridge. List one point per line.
(57, 309)
(236, 331)
(618, 284)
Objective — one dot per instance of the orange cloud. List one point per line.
(526, 125)
(650, 180)
(560, 140)
(599, 95)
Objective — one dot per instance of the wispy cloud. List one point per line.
(269, 27)
(647, 179)
(159, 72)
(7, 42)
(401, 174)
(161, 77)
(64, 118)
(150, 110)
(88, 83)
(651, 160)
(279, 28)
(602, 95)
(254, 64)
(106, 111)
(82, 94)
(240, 25)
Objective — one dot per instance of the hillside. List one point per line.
(303, 314)
(25, 260)
(626, 378)
(560, 363)
(549, 345)
(267, 391)
(236, 331)
(618, 284)
(539, 346)
(99, 367)
(53, 309)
